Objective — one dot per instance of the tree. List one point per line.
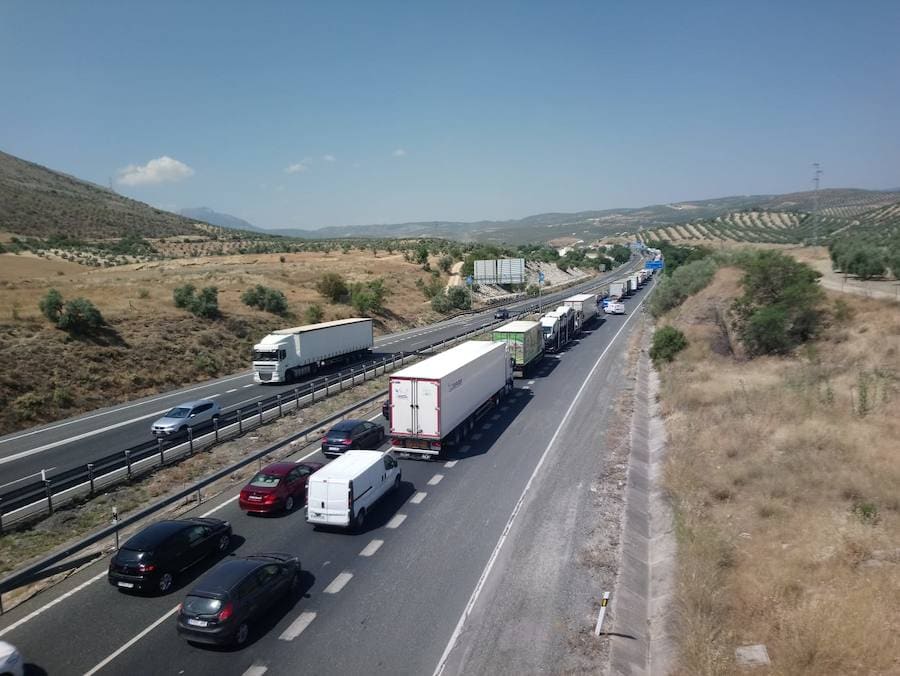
(206, 303)
(667, 342)
(445, 263)
(265, 298)
(865, 262)
(314, 314)
(332, 286)
(51, 305)
(421, 254)
(184, 295)
(459, 297)
(80, 316)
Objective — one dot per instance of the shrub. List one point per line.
(445, 263)
(184, 296)
(143, 293)
(314, 314)
(688, 279)
(51, 305)
(433, 288)
(421, 254)
(332, 286)
(441, 303)
(265, 298)
(667, 342)
(80, 316)
(532, 290)
(459, 297)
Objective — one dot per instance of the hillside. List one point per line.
(38, 202)
(207, 215)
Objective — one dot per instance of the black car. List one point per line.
(228, 599)
(502, 313)
(349, 434)
(151, 559)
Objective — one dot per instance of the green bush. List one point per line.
(441, 303)
(459, 297)
(332, 286)
(672, 290)
(51, 305)
(207, 303)
(314, 314)
(445, 263)
(80, 316)
(667, 342)
(184, 296)
(265, 298)
(781, 304)
(532, 290)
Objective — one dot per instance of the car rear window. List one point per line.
(127, 555)
(265, 480)
(339, 434)
(201, 605)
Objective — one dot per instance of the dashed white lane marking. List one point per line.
(248, 385)
(297, 627)
(134, 640)
(234, 389)
(338, 583)
(396, 521)
(52, 603)
(371, 548)
(435, 480)
(476, 437)
(526, 387)
(258, 669)
(450, 463)
(418, 497)
(531, 382)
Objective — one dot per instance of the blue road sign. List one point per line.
(653, 265)
(469, 280)
(541, 277)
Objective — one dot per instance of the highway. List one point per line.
(420, 589)
(62, 445)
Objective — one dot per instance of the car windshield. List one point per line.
(271, 355)
(200, 605)
(265, 480)
(180, 412)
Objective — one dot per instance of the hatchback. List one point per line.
(189, 415)
(277, 487)
(152, 558)
(502, 313)
(352, 434)
(224, 604)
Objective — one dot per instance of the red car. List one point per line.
(277, 487)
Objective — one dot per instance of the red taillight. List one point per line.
(346, 442)
(324, 439)
(270, 497)
(226, 612)
(146, 567)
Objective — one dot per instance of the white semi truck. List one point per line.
(552, 337)
(618, 290)
(436, 402)
(288, 354)
(585, 306)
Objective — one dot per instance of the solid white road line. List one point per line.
(338, 583)
(371, 548)
(396, 521)
(133, 641)
(33, 614)
(435, 480)
(220, 506)
(10, 483)
(512, 517)
(117, 409)
(418, 497)
(297, 626)
(256, 670)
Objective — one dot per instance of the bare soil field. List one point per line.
(151, 345)
(817, 257)
(784, 475)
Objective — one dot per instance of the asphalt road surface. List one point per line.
(441, 566)
(60, 446)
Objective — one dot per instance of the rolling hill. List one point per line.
(38, 202)
(207, 215)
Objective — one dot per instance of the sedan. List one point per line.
(350, 434)
(189, 415)
(223, 605)
(277, 487)
(502, 313)
(152, 558)
(11, 661)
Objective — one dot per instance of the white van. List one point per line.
(346, 489)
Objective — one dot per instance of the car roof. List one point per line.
(194, 404)
(278, 468)
(225, 576)
(154, 534)
(346, 425)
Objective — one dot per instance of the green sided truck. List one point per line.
(526, 344)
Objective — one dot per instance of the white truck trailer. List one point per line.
(435, 403)
(585, 306)
(285, 355)
(566, 315)
(635, 282)
(618, 290)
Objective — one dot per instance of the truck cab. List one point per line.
(269, 358)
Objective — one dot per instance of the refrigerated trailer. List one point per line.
(285, 355)
(526, 344)
(618, 290)
(435, 403)
(585, 306)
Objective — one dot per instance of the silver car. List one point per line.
(191, 414)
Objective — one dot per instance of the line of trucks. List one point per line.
(435, 403)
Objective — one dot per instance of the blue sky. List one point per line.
(406, 111)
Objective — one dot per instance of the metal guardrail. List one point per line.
(153, 457)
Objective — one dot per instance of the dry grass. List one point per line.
(154, 346)
(784, 473)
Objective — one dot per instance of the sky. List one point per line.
(311, 114)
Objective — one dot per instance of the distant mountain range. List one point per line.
(207, 215)
(37, 201)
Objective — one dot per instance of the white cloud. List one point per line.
(329, 158)
(160, 170)
(296, 168)
(399, 152)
